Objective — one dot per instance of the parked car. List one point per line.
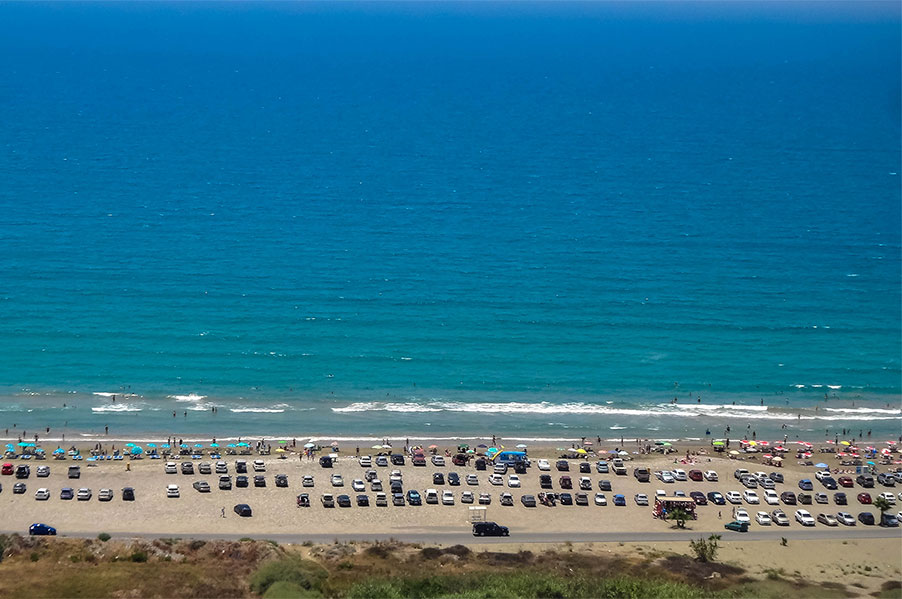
(225, 482)
(619, 500)
(337, 480)
(513, 481)
(18, 488)
(716, 498)
(641, 499)
(602, 467)
(840, 499)
(259, 480)
(243, 510)
(733, 497)
(42, 494)
(750, 497)
(806, 485)
(737, 526)
(381, 500)
(543, 465)
(804, 518)
(605, 485)
(485, 499)
(241, 481)
(472, 479)
(763, 518)
(74, 472)
(105, 495)
(447, 498)
(821, 498)
(788, 497)
(7, 469)
(779, 517)
(397, 499)
(741, 515)
(201, 486)
(528, 500)
(845, 518)
(696, 475)
(865, 480)
(343, 501)
(771, 497)
(222, 468)
(204, 468)
(698, 497)
(467, 497)
(454, 479)
(828, 519)
(567, 499)
(307, 481)
(128, 494)
(42, 471)
(414, 498)
(187, 468)
(866, 518)
(281, 480)
(66, 493)
(804, 498)
(329, 501)
(845, 481)
(438, 460)
(241, 466)
(363, 501)
(865, 498)
(172, 491)
(711, 476)
(600, 499)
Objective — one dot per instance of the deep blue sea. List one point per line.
(534, 220)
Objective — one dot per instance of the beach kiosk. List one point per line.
(664, 505)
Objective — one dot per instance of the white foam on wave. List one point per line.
(864, 411)
(744, 412)
(616, 428)
(109, 394)
(189, 397)
(276, 409)
(118, 407)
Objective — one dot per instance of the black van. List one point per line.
(480, 464)
(128, 494)
(489, 529)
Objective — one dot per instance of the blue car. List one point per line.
(805, 485)
(619, 500)
(41, 529)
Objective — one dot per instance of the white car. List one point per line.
(750, 497)
(513, 481)
(438, 460)
(600, 499)
(804, 518)
(307, 481)
(821, 474)
(763, 518)
(828, 519)
(222, 468)
(394, 476)
(42, 494)
(259, 466)
(664, 476)
(105, 495)
(337, 480)
(358, 485)
(431, 496)
(485, 499)
(543, 465)
(496, 479)
(466, 497)
(447, 498)
(171, 468)
(771, 497)
(710, 476)
(43, 471)
(741, 515)
(845, 518)
(660, 493)
(376, 484)
(84, 494)
(733, 497)
(890, 498)
(365, 461)
(472, 479)
(172, 491)
(679, 475)
(641, 499)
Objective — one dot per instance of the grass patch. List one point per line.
(305, 574)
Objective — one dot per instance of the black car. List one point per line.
(788, 497)
(829, 483)
(840, 499)
(438, 478)
(566, 499)
(281, 480)
(187, 468)
(480, 464)
(240, 481)
(804, 498)
(259, 480)
(489, 529)
(326, 461)
(413, 498)
(585, 467)
(866, 518)
(128, 494)
(528, 500)
(243, 510)
(520, 467)
(363, 501)
(604, 485)
(453, 479)
(563, 466)
(23, 471)
(396, 486)
(545, 481)
(716, 498)
(865, 481)
(777, 477)
(241, 467)
(397, 459)
(19, 488)
(343, 501)
(582, 499)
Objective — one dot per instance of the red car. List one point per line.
(566, 483)
(7, 468)
(864, 498)
(845, 481)
(695, 475)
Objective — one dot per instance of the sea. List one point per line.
(440, 220)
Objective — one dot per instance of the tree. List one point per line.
(680, 515)
(881, 504)
(705, 550)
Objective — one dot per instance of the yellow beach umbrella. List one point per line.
(581, 450)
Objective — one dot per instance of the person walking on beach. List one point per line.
(222, 513)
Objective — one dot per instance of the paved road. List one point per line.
(450, 538)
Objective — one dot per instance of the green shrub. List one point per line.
(104, 537)
(289, 590)
(705, 550)
(138, 556)
(35, 556)
(303, 573)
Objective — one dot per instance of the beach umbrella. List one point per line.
(765, 443)
(482, 446)
(433, 447)
(22, 444)
(587, 443)
(386, 446)
(59, 450)
(470, 451)
(821, 465)
(198, 445)
(243, 444)
(581, 450)
(871, 464)
(129, 444)
(602, 451)
(165, 445)
(334, 456)
(151, 444)
(778, 459)
(624, 453)
(282, 442)
(214, 444)
(280, 450)
(137, 450)
(734, 452)
(183, 446)
(846, 443)
(231, 445)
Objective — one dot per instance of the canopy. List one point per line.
(214, 444)
(734, 452)
(280, 450)
(778, 459)
(581, 450)
(844, 443)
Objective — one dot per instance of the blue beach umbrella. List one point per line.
(59, 450)
(183, 445)
(137, 450)
(151, 444)
(198, 445)
(231, 445)
(129, 444)
(242, 444)
(214, 444)
(165, 445)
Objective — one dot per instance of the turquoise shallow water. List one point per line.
(545, 221)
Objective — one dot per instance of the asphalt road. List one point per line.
(452, 538)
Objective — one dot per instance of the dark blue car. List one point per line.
(41, 529)
(619, 500)
(805, 485)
